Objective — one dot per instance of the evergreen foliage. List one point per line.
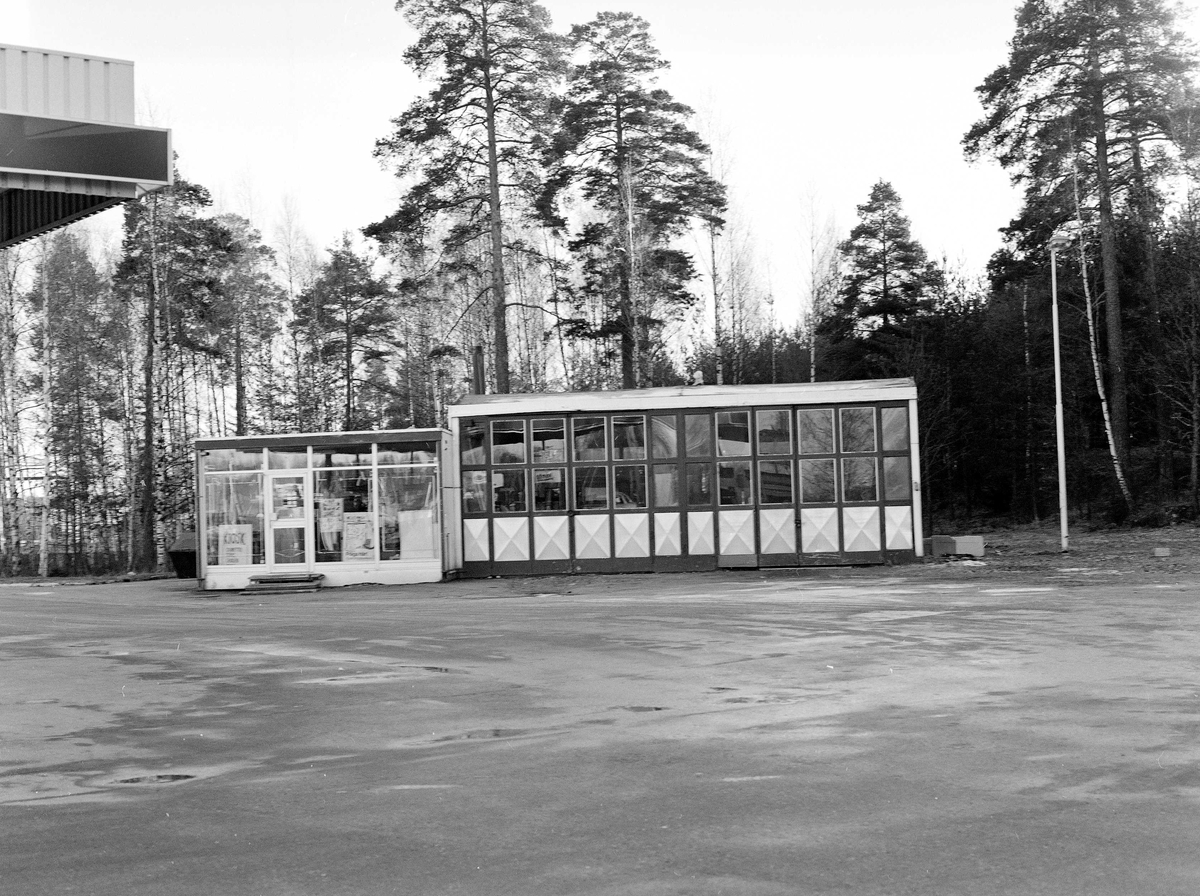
(887, 274)
(625, 147)
(469, 147)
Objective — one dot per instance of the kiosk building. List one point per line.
(647, 480)
(689, 478)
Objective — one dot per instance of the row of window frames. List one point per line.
(732, 486)
(225, 460)
(591, 440)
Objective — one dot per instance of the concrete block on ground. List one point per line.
(954, 546)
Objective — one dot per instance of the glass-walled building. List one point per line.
(691, 477)
(353, 507)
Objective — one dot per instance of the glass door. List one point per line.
(288, 521)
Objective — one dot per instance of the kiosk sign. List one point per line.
(236, 545)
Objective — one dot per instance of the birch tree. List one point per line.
(1098, 75)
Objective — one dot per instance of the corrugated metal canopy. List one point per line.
(25, 214)
(68, 144)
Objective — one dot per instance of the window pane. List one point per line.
(343, 509)
(292, 457)
(408, 453)
(774, 482)
(220, 459)
(733, 433)
(475, 492)
(858, 479)
(591, 488)
(288, 544)
(735, 482)
(408, 522)
(508, 441)
(342, 456)
(471, 442)
(858, 430)
(550, 489)
(629, 486)
(774, 432)
(895, 429)
(665, 434)
(587, 434)
(818, 483)
(508, 491)
(666, 485)
(629, 438)
(699, 484)
(287, 497)
(549, 441)
(233, 519)
(814, 428)
(698, 435)
(897, 484)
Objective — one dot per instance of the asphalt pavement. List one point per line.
(737, 733)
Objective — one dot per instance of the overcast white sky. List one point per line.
(284, 98)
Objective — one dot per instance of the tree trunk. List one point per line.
(1118, 387)
(47, 411)
(348, 363)
(10, 471)
(1030, 454)
(1143, 214)
(239, 378)
(499, 296)
(145, 554)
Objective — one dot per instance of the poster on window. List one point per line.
(357, 540)
(330, 510)
(236, 545)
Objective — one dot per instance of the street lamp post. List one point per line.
(1061, 239)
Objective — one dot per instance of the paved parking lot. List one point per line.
(724, 733)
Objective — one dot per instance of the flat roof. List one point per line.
(320, 438)
(665, 397)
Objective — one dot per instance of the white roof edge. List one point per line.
(66, 53)
(365, 434)
(686, 397)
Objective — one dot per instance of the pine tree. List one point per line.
(348, 312)
(626, 146)
(79, 361)
(248, 321)
(466, 150)
(1086, 91)
(170, 276)
(887, 274)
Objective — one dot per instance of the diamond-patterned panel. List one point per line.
(591, 537)
(700, 532)
(777, 530)
(818, 530)
(737, 532)
(898, 522)
(511, 535)
(631, 534)
(668, 542)
(551, 538)
(861, 528)
(475, 541)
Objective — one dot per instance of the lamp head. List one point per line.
(1064, 236)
